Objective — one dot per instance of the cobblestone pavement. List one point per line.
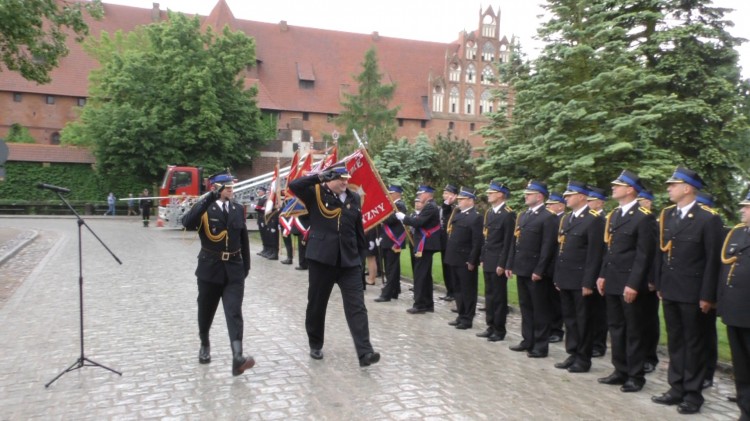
(140, 319)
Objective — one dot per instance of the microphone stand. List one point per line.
(82, 360)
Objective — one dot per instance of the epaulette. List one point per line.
(593, 212)
(709, 209)
(508, 208)
(669, 207)
(551, 211)
(644, 210)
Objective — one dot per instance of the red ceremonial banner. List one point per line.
(376, 205)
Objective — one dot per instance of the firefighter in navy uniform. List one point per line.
(223, 265)
(556, 204)
(596, 199)
(335, 251)
(733, 298)
(462, 255)
(630, 234)
(689, 242)
(712, 336)
(447, 207)
(260, 212)
(499, 223)
(652, 325)
(392, 241)
(579, 257)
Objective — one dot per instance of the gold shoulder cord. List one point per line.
(666, 248)
(486, 231)
(607, 236)
(449, 228)
(213, 237)
(517, 231)
(561, 235)
(327, 213)
(729, 260)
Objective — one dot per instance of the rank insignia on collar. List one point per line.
(349, 206)
(630, 213)
(690, 215)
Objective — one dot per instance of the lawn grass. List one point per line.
(437, 276)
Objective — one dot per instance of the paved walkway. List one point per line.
(140, 319)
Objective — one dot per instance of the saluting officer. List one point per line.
(556, 204)
(689, 243)
(712, 337)
(499, 223)
(462, 256)
(733, 296)
(580, 250)
(652, 323)
(392, 240)
(427, 238)
(596, 199)
(531, 260)
(447, 208)
(630, 236)
(223, 265)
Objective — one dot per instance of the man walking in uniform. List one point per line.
(462, 255)
(499, 223)
(531, 259)
(631, 246)
(689, 236)
(336, 249)
(392, 242)
(223, 265)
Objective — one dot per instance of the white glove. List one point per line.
(400, 216)
(377, 242)
(372, 245)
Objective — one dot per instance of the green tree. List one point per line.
(407, 164)
(33, 33)
(367, 111)
(169, 93)
(19, 134)
(453, 162)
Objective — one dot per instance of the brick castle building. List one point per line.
(301, 75)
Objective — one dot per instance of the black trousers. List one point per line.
(578, 314)
(392, 287)
(712, 345)
(272, 236)
(301, 250)
(556, 323)
(626, 332)
(466, 293)
(423, 298)
(450, 284)
(533, 298)
(496, 301)
(231, 294)
(263, 232)
(739, 343)
(686, 342)
(288, 246)
(600, 322)
(652, 326)
(322, 277)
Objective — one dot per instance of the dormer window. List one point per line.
(306, 76)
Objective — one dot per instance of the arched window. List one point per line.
(488, 27)
(504, 53)
(488, 52)
(455, 72)
(471, 74)
(469, 101)
(437, 99)
(55, 138)
(454, 100)
(487, 75)
(471, 50)
(485, 106)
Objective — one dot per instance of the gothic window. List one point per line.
(469, 101)
(471, 50)
(504, 54)
(437, 99)
(485, 106)
(488, 52)
(454, 100)
(488, 27)
(455, 72)
(471, 74)
(487, 75)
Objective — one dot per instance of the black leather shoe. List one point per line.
(597, 353)
(286, 262)
(369, 359)
(316, 354)
(732, 398)
(648, 367)
(262, 253)
(454, 310)
(666, 399)
(486, 334)
(519, 348)
(481, 308)
(613, 379)
(204, 354)
(463, 326)
(453, 323)
(382, 299)
(631, 386)
(688, 408)
(240, 363)
(579, 368)
(496, 337)
(555, 338)
(300, 268)
(448, 298)
(707, 383)
(567, 363)
(415, 310)
(272, 257)
(536, 354)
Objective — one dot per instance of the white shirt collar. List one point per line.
(497, 208)
(685, 209)
(625, 208)
(580, 211)
(536, 208)
(466, 210)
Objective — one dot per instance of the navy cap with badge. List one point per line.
(451, 188)
(425, 189)
(595, 193)
(341, 172)
(688, 176)
(630, 179)
(646, 194)
(496, 186)
(555, 198)
(223, 178)
(536, 186)
(705, 198)
(746, 202)
(466, 193)
(395, 189)
(575, 187)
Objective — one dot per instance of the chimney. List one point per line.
(283, 27)
(375, 36)
(155, 13)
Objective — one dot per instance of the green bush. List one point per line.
(19, 134)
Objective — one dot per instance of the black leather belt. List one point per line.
(224, 255)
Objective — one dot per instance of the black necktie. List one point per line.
(225, 209)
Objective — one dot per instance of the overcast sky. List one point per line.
(428, 20)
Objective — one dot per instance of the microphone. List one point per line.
(53, 188)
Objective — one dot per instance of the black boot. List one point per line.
(240, 363)
(204, 354)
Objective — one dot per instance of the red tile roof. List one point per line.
(30, 152)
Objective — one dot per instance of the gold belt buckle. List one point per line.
(225, 255)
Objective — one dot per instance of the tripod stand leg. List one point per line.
(75, 366)
(94, 363)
